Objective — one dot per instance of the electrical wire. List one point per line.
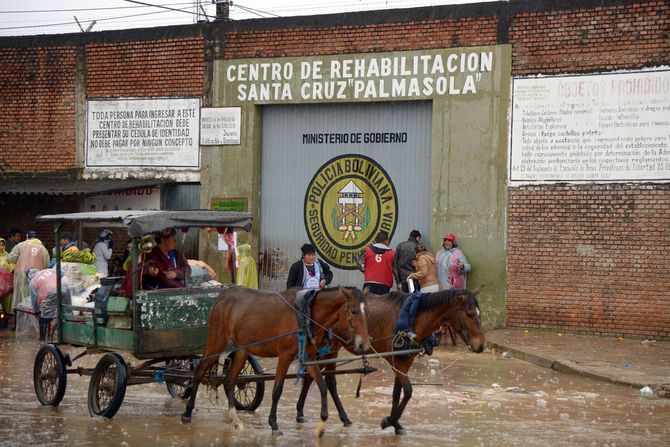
(167, 8)
(74, 23)
(164, 8)
(254, 11)
(109, 8)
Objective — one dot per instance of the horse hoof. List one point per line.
(347, 423)
(301, 419)
(277, 432)
(385, 423)
(185, 419)
(400, 431)
(239, 426)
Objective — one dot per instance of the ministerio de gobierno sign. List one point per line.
(350, 199)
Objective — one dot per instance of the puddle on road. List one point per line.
(463, 399)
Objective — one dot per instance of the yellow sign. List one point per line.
(348, 202)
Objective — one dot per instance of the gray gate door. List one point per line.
(335, 175)
(184, 196)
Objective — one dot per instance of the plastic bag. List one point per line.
(77, 269)
(6, 282)
(27, 325)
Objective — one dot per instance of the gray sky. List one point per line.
(30, 17)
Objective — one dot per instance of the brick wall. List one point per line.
(146, 68)
(39, 85)
(590, 258)
(599, 38)
(374, 37)
(37, 97)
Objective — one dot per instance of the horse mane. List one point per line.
(433, 300)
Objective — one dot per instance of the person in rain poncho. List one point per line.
(247, 274)
(6, 277)
(452, 266)
(26, 255)
(102, 249)
(43, 296)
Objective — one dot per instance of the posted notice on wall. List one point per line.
(143, 133)
(607, 127)
(220, 125)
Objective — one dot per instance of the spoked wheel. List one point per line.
(248, 395)
(179, 389)
(49, 376)
(108, 386)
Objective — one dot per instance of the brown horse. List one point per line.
(264, 324)
(457, 307)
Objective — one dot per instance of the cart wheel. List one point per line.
(108, 386)
(49, 376)
(249, 395)
(179, 390)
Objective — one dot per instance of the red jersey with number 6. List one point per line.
(379, 264)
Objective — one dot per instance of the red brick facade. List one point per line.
(376, 37)
(37, 96)
(601, 38)
(164, 68)
(587, 258)
(590, 258)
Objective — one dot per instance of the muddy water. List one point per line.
(465, 400)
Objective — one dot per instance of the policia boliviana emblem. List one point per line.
(349, 200)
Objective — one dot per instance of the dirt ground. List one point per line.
(460, 399)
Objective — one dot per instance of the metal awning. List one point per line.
(70, 187)
(142, 222)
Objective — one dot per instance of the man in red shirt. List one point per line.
(376, 263)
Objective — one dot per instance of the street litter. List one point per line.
(516, 390)
(647, 391)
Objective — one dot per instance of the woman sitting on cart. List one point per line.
(163, 267)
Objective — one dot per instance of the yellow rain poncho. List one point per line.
(247, 274)
(6, 278)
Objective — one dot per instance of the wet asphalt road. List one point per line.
(465, 400)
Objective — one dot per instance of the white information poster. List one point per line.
(607, 127)
(143, 133)
(220, 125)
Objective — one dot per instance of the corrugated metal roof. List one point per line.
(69, 187)
(147, 221)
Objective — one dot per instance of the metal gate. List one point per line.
(184, 196)
(336, 175)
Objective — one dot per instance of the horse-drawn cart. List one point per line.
(164, 329)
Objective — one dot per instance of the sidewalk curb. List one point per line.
(563, 366)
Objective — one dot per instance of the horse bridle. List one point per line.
(464, 332)
(350, 318)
